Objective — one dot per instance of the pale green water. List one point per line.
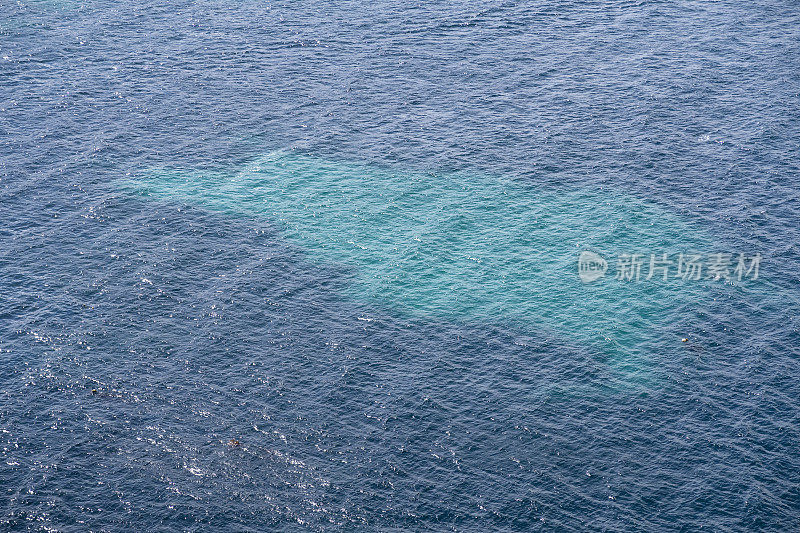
(464, 247)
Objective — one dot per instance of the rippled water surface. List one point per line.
(313, 266)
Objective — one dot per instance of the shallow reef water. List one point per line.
(467, 246)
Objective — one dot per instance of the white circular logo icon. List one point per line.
(591, 267)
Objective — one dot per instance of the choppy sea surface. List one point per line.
(313, 266)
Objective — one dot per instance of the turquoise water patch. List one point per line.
(468, 247)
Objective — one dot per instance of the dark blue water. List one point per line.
(186, 343)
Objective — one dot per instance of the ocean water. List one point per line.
(314, 266)
(462, 247)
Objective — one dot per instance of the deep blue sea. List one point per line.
(314, 266)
